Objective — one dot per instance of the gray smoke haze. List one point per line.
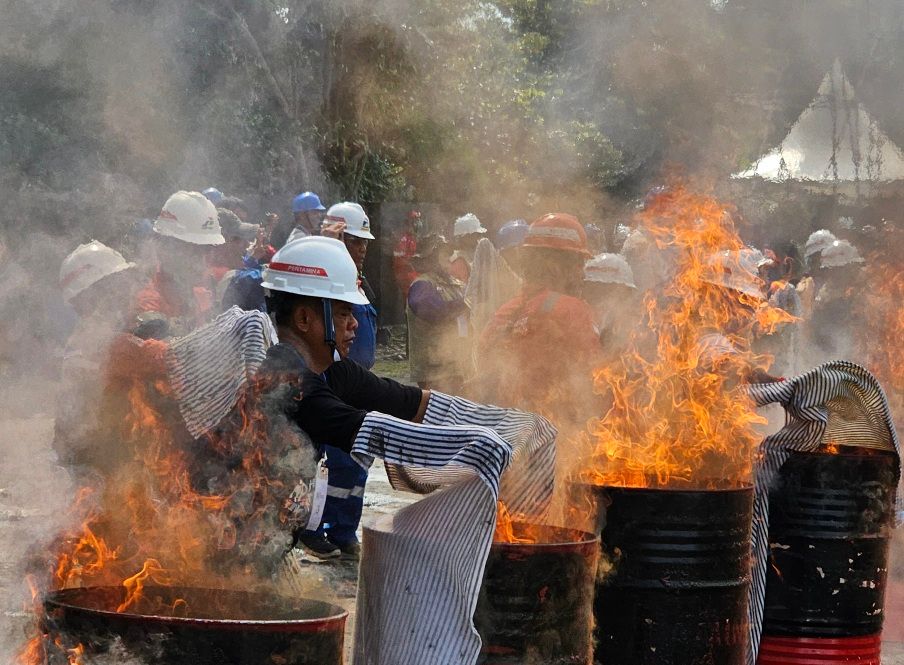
(510, 109)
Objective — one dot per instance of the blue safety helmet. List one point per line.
(213, 195)
(306, 201)
(511, 234)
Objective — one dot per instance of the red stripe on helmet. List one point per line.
(311, 271)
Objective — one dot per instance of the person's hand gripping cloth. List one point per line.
(421, 569)
(836, 402)
(209, 367)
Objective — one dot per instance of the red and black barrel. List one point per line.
(536, 600)
(674, 576)
(830, 521)
(192, 626)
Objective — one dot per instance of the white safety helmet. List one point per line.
(190, 217)
(735, 270)
(87, 265)
(356, 222)
(609, 268)
(315, 266)
(840, 253)
(468, 224)
(818, 241)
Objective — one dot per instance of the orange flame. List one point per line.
(677, 415)
(506, 531)
(884, 319)
(152, 523)
(135, 585)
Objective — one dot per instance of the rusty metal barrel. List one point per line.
(830, 519)
(192, 626)
(536, 599)
(674, 576)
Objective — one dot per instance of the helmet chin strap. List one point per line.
(329, 330)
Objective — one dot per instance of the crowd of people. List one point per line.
(515, 320)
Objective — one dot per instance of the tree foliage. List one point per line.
(507, 107)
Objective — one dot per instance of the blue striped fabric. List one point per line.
(209, 367)
(836, 402)
(421, 568)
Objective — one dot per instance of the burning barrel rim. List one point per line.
(332, 617)
(561, 539)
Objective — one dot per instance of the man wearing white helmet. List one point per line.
(176, 300)
(834, 321)
(356, 234)
(313, 288)
(345, 496)
(809, 284)
(97, 282)
(467, 233)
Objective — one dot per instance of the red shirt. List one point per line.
(404, 272)
(538, 352)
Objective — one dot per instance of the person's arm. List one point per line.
(365, 390)
(426, 302)
(422, 407)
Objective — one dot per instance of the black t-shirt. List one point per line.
(333, 405)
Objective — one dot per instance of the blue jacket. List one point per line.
(364, 348)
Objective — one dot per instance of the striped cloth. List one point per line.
(209, 367)
(838, 402)
(421, 568)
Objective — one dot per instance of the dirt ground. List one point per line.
(35, 492)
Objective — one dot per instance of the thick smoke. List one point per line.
(505, 108)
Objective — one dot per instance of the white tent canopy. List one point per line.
(833, 141)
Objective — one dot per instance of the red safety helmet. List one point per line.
(558, 230)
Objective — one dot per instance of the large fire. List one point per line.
(884, 324)
(677, 416)
(153, 524)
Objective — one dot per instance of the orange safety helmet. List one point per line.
(558, 230)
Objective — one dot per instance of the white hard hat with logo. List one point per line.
(840, 253)
(317, 267)
(87, 265)
(356, 221)
(468, 224)
(190, 217)
(609, 268)
(818, 241)
(736, 270)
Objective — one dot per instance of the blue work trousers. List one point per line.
(344, 498)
